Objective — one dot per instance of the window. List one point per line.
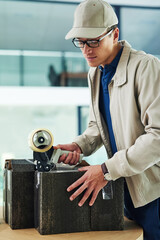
(139, 27)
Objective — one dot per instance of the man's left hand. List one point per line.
(92, 181)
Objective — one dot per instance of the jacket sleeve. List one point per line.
(90, 141)
(146, 150)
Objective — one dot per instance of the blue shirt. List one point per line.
(107, 74)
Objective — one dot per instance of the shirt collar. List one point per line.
(113, 64)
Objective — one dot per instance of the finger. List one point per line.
(56, 147)
(78, 192)
(94, 196)
(62, 158)
(63, 147)
(68, 158)
(85, 197)
(82, 169)
(68, 147)
(76, 184)
(96, 192)
(75, 158)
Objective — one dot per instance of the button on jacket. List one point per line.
(135, 112)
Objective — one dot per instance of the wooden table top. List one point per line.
(131, 232)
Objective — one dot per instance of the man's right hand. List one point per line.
(73, 157)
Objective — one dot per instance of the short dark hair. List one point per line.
(113, 27)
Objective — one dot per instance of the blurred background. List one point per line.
(43, 77)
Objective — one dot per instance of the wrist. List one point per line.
(104, 168)
(78, 147)
(106, 173)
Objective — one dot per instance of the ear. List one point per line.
(116, 35)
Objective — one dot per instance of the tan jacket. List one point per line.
(135, 112)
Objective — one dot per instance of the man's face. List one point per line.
(104, 54)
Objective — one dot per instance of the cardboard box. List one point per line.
(5, 213)
(55, 213)
(40, 200)
(18, 194)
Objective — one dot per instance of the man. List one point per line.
(124, 116)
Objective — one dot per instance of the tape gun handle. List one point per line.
(67, 152)
(58, 152)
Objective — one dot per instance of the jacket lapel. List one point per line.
(120, 76)
(95, 86)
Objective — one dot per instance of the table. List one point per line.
(132, 232)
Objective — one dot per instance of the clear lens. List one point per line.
(92, 43)
(78, 43)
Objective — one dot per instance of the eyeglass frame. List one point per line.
(98, 40)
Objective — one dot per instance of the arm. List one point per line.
(89, 142)
(93, 179)
(144, 153)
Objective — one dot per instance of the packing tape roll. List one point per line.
(40, 140)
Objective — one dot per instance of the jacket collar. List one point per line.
(119, 77)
